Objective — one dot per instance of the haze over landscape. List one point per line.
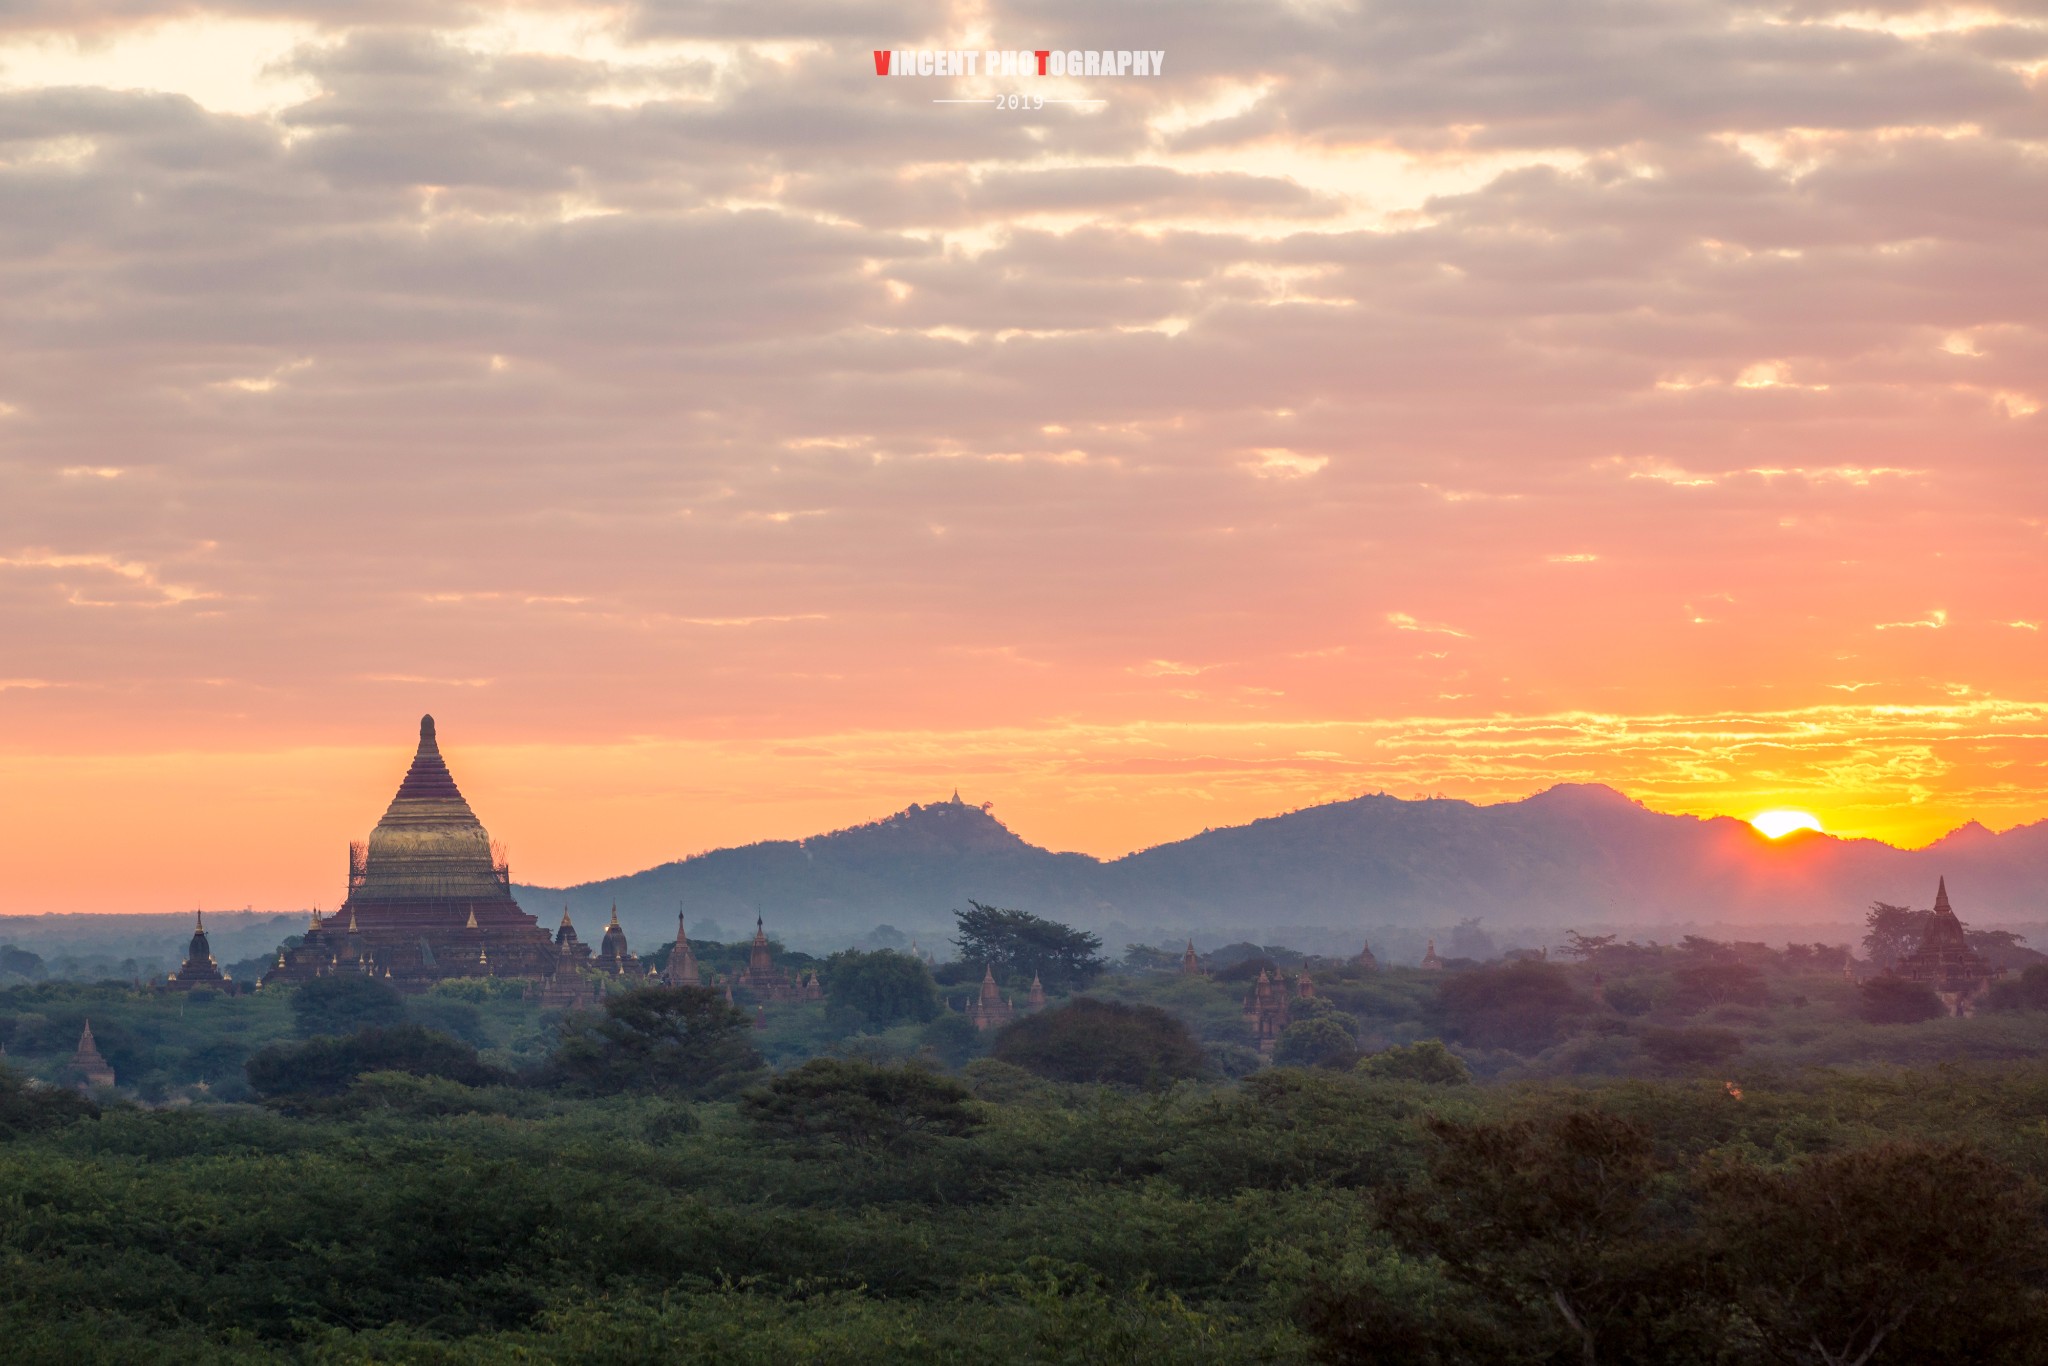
(731, 445)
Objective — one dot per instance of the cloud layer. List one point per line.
(655, 375)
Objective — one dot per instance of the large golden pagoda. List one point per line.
(429, 897)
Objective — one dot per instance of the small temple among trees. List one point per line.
(1944, 960)
(89, 1069)
(199, 969)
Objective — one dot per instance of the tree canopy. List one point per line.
(326, 1065)
(880, 988)
(343, 1004)
(1088, 1040)
(860, 1106)
(1521, 1006)
(1017, 944)
(681, 1040)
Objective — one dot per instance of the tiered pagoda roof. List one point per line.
(429, 845)
(1944, 958)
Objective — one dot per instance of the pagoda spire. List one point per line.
(1941, 906)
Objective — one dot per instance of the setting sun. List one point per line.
(1783, 821)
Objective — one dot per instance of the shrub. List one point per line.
(1425, 1060)
(1894, 1000)
(1089, 1040)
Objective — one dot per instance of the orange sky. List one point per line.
(724, 443)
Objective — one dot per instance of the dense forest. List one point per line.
(1703, 1152)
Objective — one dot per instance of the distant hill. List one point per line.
(1574, 854)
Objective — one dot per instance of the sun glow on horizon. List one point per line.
(1782, 821)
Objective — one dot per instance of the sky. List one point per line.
(723, 443)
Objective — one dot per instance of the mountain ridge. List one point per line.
(1573, 853)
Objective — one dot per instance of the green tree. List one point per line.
(326, 1065)
(678, 1040)
(1902, 1252)
(1425, 1060)
(880, 988)
(1892, 932)
(1018, 944)
(1521, 1006)
(1586, 947)
(1317, 1042)
(1088, 1040)
(343, 1004)
(834, 1102)
(1894, 1000)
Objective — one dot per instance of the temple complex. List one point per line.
(1190, 966)
(199, 969)
(429, 898)
(762, 982)
(1430, 961)
(88, 1068)
(1945, 961)
(1366, 960)
(1265, 1010)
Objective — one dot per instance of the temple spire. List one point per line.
(1941, 906)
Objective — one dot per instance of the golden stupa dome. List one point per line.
(429, 844)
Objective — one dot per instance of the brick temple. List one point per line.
(430, 898)
(1945, 961)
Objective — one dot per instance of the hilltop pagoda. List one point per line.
(429, 897)
(1945, 961)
